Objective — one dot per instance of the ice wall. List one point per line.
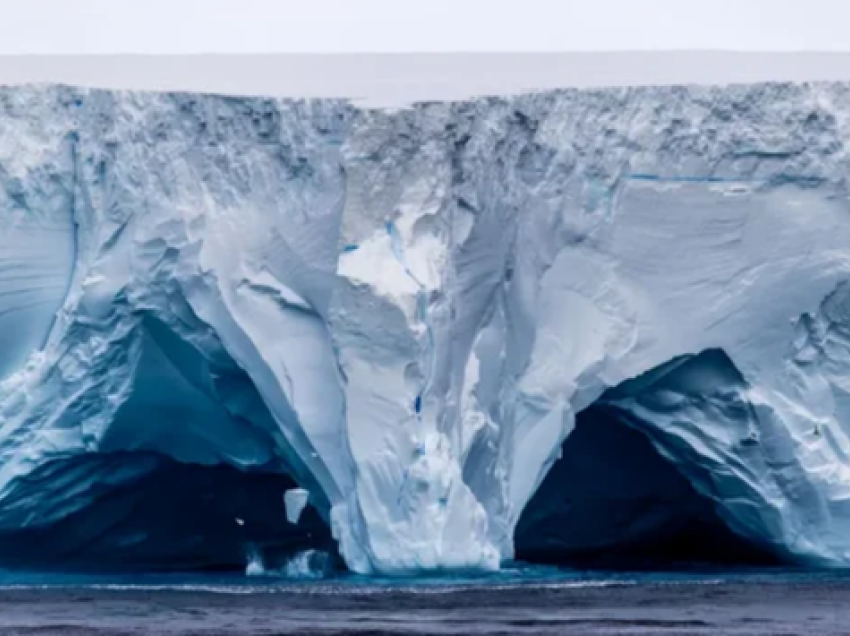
(404, 310)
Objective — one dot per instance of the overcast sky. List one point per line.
(244, 26)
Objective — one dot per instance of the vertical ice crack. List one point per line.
(422, 314)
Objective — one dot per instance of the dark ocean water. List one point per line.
(521, 600)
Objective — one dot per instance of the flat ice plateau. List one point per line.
(380, 79)
(404, 311)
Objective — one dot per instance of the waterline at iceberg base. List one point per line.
(434, 338)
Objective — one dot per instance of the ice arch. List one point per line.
(691, 443)
(188, 471)
(621, 493)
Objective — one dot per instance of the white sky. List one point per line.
(248, 26)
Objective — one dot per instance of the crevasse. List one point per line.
(402, 312)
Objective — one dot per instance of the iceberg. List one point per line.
(441, 320)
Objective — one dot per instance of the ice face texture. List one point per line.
(403, 311)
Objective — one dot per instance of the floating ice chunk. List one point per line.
(309, 564)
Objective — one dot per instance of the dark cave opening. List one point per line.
(146, 512)
(613, 501)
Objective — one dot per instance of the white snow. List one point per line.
(387, 79)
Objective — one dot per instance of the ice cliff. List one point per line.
(404, 311)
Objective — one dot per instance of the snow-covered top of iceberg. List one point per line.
(393, 79)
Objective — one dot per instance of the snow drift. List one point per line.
(401, 312)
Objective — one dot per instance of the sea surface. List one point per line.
(520, 600)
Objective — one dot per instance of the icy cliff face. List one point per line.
(403, 311)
